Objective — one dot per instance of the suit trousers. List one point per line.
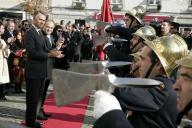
(34, 95)
(47, 82)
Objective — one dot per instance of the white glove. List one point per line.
(104, 102)
(106, 45)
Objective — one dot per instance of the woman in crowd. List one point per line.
(19, 62)
(60, 63)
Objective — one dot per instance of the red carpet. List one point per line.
(69, 116)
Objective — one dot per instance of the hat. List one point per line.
(185, 61)
(138, 13)
(169, 49)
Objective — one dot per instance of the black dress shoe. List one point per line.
(34, 125)
(47, 115)
(42, 117)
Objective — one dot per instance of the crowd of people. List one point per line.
(31, 49)
(77, 46)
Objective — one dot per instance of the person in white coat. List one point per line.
(4, 72)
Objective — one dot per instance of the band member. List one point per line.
(183, 88)
(151, 107)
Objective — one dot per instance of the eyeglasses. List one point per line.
(59, 31)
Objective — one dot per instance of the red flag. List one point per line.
(106, 14)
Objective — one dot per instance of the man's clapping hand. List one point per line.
(11, 39)
(59, 43)
(55, 53)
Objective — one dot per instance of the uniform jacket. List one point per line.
(119, 55)
(152, 108)
(113, 119)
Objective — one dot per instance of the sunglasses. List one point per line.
(59, 31)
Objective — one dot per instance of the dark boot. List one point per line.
(2, 93)
(16, 87)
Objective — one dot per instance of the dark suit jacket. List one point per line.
(7, 35)
(50, 61)
(36, 63)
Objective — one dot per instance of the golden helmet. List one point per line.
(137, 55)
(146, 32)
(169, 49)
(185, 61)
(138, 13)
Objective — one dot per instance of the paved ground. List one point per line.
(12, 111)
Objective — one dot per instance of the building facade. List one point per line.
(12, 9)
(89, 10)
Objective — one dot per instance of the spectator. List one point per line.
(165, 28)
(4, 52)
(19, 62)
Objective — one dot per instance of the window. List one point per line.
(149, 2)
(153, 5)
(79, 4)
(79, 1)
(116, 5)
(116, 1)
(190, 3)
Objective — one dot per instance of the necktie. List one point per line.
(40, 33)
(50, 40)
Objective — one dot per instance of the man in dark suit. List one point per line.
(150, 107)
(47, 30)
(75, 44)
(9, 37)
(36, 68)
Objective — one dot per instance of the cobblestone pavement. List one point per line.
(12, 111)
